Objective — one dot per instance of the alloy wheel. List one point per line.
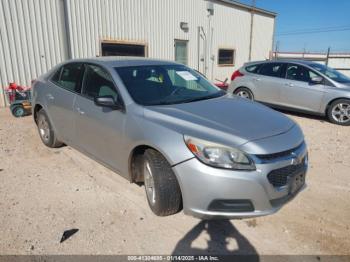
(149, 183)
(341, 112)
(244, 94)
(44, 128)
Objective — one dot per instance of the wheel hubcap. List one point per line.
(244, 94)
(149, 183)
(341, 113)
(44, 129)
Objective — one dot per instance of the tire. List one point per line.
(165, 197)
(46, 131)
(244, 92)
(339, 112)
(18, 111)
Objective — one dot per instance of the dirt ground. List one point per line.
(44, 192)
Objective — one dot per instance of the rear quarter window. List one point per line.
(253, 68)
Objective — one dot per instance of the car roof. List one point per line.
(297, 61)
(122, 61)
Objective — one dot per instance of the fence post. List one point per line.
(328, 51)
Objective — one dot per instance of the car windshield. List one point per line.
(331, 73)
(166, 84)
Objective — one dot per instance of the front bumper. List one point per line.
(201, 185)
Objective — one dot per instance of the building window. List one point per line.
(226, 57)
(123, 49)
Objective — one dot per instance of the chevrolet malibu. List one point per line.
(163, 125)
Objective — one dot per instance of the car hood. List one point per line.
(227, 119)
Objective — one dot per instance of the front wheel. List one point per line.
(339, 112)
(245, 93)
(162, 189)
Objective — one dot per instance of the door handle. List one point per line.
(50, 97)
(257, 79)
(80, 111)
(289, 84)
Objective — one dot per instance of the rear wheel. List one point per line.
(162, 189)
(245, 93)
(46, 132)
(339, 112)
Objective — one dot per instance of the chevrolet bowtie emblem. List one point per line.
(296, 160)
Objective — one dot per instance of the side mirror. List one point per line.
(317, 80)
(107, 101)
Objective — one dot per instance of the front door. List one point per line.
(299, 92)
(99, 129)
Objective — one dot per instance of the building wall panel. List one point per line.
(262, 37)
(32, 39)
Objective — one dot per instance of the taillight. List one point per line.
(236, 74)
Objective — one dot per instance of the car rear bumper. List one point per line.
(212, 193)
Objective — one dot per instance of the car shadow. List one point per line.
(321, 119)
(221, 233)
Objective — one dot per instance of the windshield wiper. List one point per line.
(204, 97)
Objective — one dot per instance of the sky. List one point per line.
(308, 17)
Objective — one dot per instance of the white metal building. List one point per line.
(214, 37)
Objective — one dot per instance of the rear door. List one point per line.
(268, 82)
(64, 85)
(99, 130)
(299, 92)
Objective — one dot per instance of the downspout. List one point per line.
(211, 54)
(205, 52)
(198, 46)
(251, 31)
(273, 37)
(67, 28)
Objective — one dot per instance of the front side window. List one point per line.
(299, 73)
(226, 57)
(166, 84)
(98, 82)
(69, 77)
(331, 73)
(271, 69)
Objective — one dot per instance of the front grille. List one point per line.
(272, 157)
(280, 177)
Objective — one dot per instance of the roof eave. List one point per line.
(249, 7)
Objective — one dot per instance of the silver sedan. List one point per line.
(162, 124)
(303, 86)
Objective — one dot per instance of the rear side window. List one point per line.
(69, 77)
(253, 68)
(98, 82)
(271, 69)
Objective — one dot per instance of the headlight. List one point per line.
(217, 155)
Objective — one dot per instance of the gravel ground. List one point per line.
(44, 192)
